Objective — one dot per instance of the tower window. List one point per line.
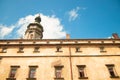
(30, 31)
(58, 72)
(32, 71)
(31, 36)
(58, 49)
(13, 73)
(111, 70)
(81, 71)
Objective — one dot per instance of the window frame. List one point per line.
(58, 69)
(34, 74)
(112, 71)
(13, 77)
(82, 74)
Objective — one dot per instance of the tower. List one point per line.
(34, 30)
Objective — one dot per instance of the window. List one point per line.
(59, 49)
(31, 36)
(102, 49)
(4, 50)
(36, 49)
(111, 70)
(21, 50)
(58, 73)
(13, 73)
(32, 72)
(81, 71)
(78, 49)
(30, 31)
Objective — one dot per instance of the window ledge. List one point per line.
(20, 51)
(83, 77)
(114, 77)
(10, 78)
(103, 51)
(78, 51)
(31, 79)
(3, 52)
(59, 51)
(36, 51)
(58, 78)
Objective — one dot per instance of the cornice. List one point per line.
(42, 42)
(107, 44)
(60, 56)
(60, 39)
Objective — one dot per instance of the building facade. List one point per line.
(34, 58)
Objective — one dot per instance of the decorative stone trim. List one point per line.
(58, 78)
(83, 77)
(103, 51)
(114, 77)
(20, 51)
(10, 78)
(4, 50)
(61, 41)
(59, 49)
(36, 51)
(31, 79)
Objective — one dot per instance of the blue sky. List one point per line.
(79, 18)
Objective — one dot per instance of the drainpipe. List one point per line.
(68, 37)
(70, 63)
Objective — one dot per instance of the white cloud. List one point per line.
(4, 30)
(53, 29)
(23, 23)
(73, 14)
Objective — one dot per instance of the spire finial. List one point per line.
(38, 19)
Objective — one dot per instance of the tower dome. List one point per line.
(38, 19)
(34, 30)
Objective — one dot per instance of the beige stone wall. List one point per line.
(95, 67)
(45, 70)
(51, 50)
(47, 58)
